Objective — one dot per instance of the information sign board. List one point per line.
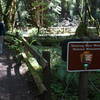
(83, 56)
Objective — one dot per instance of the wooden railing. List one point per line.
(43, 85)
(58, 30)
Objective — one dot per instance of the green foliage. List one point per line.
(16, 46)
(97, 97)
(54, 5)
(39, 3)
(64, 84)
(58, 89)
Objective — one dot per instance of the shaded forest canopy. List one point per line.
(45, 13)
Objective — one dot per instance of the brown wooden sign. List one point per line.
(83, 56)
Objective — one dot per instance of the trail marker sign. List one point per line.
(83, 56)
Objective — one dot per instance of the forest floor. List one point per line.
(15, 83)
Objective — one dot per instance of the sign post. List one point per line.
(83, 86)
(83, 56)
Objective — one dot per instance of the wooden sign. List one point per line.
(83, 56)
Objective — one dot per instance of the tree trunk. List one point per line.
(0, 9)
(9, 13)
(12, 13)
(93, 7)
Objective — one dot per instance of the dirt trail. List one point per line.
(15, 83)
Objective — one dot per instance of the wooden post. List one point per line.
(47, 76)
(83, 86)
(46, 70)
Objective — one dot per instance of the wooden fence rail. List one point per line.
(34, 53)
(41, 85)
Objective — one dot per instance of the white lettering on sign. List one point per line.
(96, 45)
(72, 45)
(85, 47)
(93, 49)
(88, 45)
(78, 49)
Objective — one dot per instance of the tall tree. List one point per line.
(9, 13)
(0, 8)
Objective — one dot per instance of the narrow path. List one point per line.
(14, 83)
